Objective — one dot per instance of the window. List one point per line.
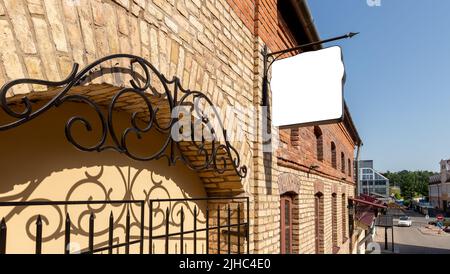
(333, 155)
(342, 162)
(295, 137)
(319, 222)
(334, 220)
(286, 224)
(319, 143)
(344, 215)
(349, 164)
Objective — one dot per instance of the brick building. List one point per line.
(210, 46)
(439, 187)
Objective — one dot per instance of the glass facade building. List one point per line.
(371, 181)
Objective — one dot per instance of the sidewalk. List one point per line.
(432, 230)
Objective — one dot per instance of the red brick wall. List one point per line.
(298, 150)
(246, 12)
(264, 20)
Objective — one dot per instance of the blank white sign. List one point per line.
(308, 88)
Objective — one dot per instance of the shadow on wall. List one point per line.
(38, 163)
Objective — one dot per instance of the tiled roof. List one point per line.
(435, 179)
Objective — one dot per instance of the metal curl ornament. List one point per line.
(217, 155)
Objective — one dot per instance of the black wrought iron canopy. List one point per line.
(216, 155)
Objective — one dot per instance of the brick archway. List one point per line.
(319, 187)
(289, 188)
(288, 183)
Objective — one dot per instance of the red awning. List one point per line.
(365, 202)
(370, 198)
(366, 218)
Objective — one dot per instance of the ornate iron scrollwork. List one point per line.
(216, 156)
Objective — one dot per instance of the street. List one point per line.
(414, 239)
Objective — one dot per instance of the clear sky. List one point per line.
(398, 77)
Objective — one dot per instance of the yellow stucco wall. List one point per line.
(37, 162)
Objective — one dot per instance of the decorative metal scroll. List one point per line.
(214, 154)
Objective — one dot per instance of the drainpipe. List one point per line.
(357, 170)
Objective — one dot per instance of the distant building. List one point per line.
(371, 181)
(366, 164)
(439, 187)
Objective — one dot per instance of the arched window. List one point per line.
(333, 155)
(295, 137)
(286, 223)
(334, 225)
(349, 164)
(319, 143)
(319, 222)
(342, 162)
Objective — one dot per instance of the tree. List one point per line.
(412, 183)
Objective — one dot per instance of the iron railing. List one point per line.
(237, 227)
(68, 223)
(217, 229)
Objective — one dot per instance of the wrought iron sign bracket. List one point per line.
(218, 154)
(270, 57)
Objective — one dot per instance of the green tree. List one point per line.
(412, 183)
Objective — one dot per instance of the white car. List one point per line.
(404, 221)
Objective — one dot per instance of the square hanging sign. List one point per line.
(307, 89)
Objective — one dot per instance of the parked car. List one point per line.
(404, 221)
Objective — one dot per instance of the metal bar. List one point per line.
(150, 229)
(195, 230)
(265, 87)
(91, 232)
(111, 233)
(67, 235)
(345, 36)
(385, 238)
(207, 229)
(239, 229)
(44, 203)
(198, 199)
(127, 233)
(392, 229)
(229, 230)
(114, 246)
(167, 230)
(181, 231)
(39, 235)
(192, 231)
(218, 229)
(248, 225)
(277, 54)
(3, 230)
(141, 250)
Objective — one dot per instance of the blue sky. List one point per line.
(398, 77)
